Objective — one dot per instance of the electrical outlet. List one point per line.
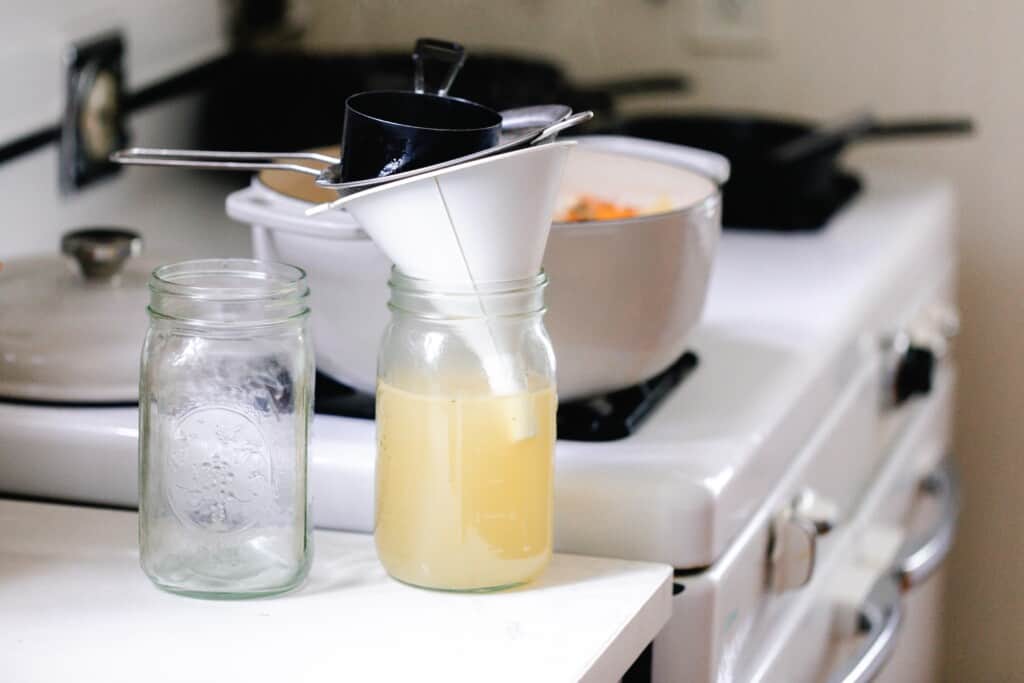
(93, 125)
(733, 26)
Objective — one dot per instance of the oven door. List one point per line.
(872, 613)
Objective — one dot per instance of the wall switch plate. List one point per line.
(93, 125)
(739, 27)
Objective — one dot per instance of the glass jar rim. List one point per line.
(256, 280)
(408, 284)
(458, 302)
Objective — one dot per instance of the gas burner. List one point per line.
(616, 415)
(334, 398)
(607, 417)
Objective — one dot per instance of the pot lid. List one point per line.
(73, 326)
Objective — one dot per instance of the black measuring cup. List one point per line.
(391, 131)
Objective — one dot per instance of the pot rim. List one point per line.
(349, 229)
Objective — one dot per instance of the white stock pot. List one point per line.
(623, 297)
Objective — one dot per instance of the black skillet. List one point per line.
(296, 110)
(784, 173)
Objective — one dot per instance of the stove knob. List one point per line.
(912, 354)
(914, 373)
(792, 547)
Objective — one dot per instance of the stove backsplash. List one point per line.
(180, 213)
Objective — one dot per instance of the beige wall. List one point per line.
(829, 57)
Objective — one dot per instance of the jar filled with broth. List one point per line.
(465, 435)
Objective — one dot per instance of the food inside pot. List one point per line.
(587, 208)
(591, 208)
(299, 186)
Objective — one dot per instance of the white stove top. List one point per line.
(789, 321)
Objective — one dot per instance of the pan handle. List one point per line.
(557, 127)
(821, 140)
(912, 127)
(534, 116)
(450, 55)
(830, 139)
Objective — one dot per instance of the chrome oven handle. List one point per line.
(924, 556)
(879, 617)
(881, 614)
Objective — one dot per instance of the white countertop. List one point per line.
(74, 604)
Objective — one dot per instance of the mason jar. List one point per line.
(466, 408)
(225, 401)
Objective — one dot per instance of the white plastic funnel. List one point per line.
(491, 216)
(474, 223)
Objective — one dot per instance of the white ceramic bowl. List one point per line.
(623, 297)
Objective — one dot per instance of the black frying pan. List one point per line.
(300, 97)
(504, 81)
(783, 172)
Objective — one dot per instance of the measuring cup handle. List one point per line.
(450, 55)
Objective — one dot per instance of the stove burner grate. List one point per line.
(607, 417)
(618, 414)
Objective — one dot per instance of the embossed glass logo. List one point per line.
(221, 470)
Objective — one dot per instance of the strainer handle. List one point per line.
(221, 161)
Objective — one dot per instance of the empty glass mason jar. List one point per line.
(225, 401)
(465, 435)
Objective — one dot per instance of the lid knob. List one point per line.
(100, 252)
